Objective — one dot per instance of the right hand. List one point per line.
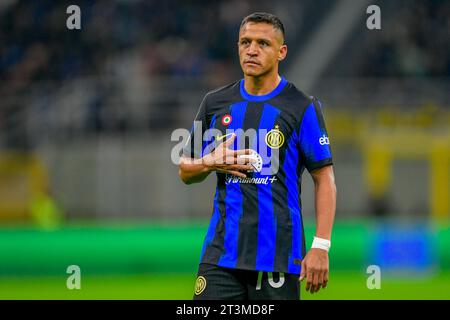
(225, 160)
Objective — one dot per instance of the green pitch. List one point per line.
(342, 285)
(159, 262)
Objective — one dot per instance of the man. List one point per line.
(255, 247)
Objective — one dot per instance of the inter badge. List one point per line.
(275, 138)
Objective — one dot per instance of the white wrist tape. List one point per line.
(321, 244)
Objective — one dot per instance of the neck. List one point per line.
(261, 85)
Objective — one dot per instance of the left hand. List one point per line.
(315, 267)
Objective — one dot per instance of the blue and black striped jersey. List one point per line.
(256, 221)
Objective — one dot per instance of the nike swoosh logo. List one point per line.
(223, 137)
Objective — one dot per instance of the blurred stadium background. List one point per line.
(86, 118)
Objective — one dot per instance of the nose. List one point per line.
(253, 49)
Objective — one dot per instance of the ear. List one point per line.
(282, 52)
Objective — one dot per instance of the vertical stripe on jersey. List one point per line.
(290, 166)
(215, 217)
(208, 137)
(267, 222)
(212, 225)
(248, 224)
(233, 199)
(189, 148)
(214, 251)
(283, 243)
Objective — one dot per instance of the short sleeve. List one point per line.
(194, 146)
(313, 138)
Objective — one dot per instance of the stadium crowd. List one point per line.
(176, 38)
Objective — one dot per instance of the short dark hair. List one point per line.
(264, 17)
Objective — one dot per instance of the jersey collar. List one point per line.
(253, 98)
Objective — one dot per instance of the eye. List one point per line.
(263, 44)
(244, 42)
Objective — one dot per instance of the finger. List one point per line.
(242, 152)
(325, 279)
(244, 160)
(318, 279)
(315, 282)
(233, 159)
(320, 283)
(309, 280)
(303, 270)
(242, 167)
(229, 160)
(229, 141)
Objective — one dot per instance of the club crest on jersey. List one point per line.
(226, 119)
(200, 285)
(275, 138)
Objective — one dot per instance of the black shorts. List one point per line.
(218, 283)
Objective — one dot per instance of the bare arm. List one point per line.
(325, 201)
(192, 170)
(315, 265)
(222, 159)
